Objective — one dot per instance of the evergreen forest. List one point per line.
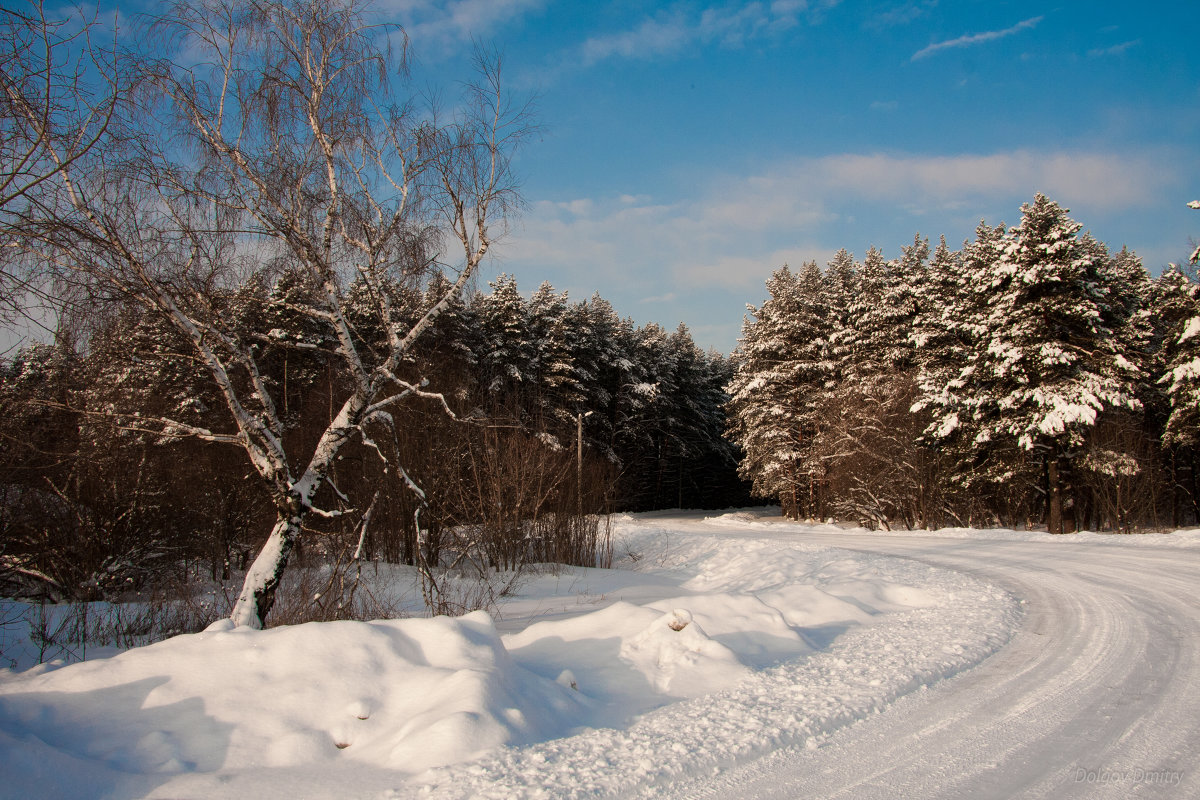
(1031, 377)
(103, 495)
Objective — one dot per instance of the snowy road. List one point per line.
(1097, 695)
(906, 669)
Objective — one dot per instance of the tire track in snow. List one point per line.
(1095, 696)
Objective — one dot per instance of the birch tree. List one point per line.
(281, 146)
(60, 86)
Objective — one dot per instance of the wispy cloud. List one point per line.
(681, 26)
(902, 14)
(651, 38)
(1115, 50)
(1105, 180)
(972, 39)
(446, 25)
(885, 105)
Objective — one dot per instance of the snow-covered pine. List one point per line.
(1177, 314)
(1182, 356)
(1195, 256)
(783, 369)
(903, 297)
(558, 395)
(600, 367)
(695, 439)
(636, 394)
(504, 352)
(1046, 365)
(448, 346)
(870, 331)
(759, 422)
(947, 387)
(868, 441)
(652, 410)
(843, 287)
(938, 341)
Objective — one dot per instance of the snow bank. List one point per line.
(403, 695)
(719, 641)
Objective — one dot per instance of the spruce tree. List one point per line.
(1046, 365)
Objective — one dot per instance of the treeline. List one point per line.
(1031, 377)
(104, 492)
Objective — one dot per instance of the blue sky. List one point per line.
(691, 148)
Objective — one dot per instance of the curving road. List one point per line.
(1097, 694)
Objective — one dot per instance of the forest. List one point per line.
(1031, 377)
(559, 412)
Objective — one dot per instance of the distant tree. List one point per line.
(504, 352)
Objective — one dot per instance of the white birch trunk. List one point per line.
(262, 579)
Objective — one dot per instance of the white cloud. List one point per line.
(449, 24)
(975, 38)
(1115, 50)
(674, 30)
(713, 249)
(1104, 180)
(902, 14)
(737, 229)
(651, 38)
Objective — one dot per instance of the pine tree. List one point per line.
(903, 298)
(761, 421)
(505, 357)
(939, 347)
(600, 364)
(869, 332)
(844, 286)
(1183, 369)
(1046, 365)
(1176, 301)
(784, 369)
(1179, 307)
(558, 396)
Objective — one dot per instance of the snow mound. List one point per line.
(403, 694)
(679, 658)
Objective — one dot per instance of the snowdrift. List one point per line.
(720, 644)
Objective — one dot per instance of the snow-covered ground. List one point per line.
(722, 649)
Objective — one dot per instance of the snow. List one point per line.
(1184, 538)
(719, 640)
(1191, 329)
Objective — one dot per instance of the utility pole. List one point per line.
(579, 462)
